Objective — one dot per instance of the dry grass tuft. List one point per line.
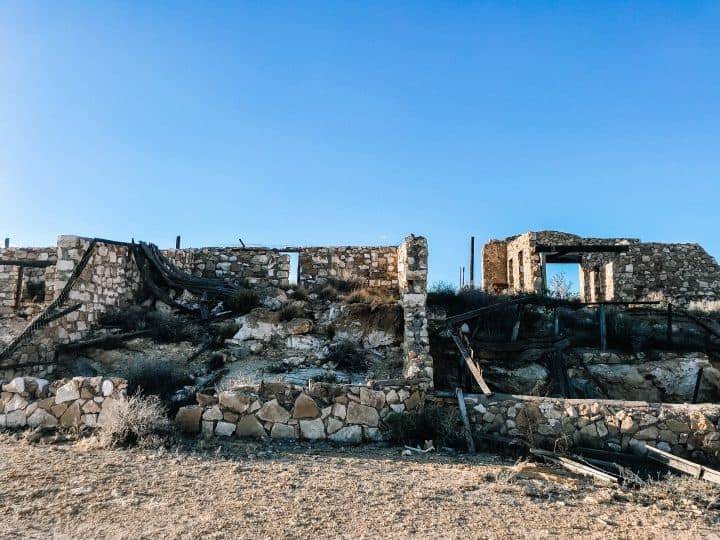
(138, 421)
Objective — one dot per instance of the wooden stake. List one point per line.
(466, 420)
(669, 323)
(603, 328)
(7, 243)
(177, 242)
(472, 262)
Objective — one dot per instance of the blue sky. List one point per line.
(359, 122)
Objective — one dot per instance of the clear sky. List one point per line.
(359, 122)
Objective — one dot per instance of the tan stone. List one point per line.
(333, 425)
(188, 419)
(312, 429)
(248, 426)
(235, 401)
(305, 407)
(91, 408)
(362, 414)
(283, 431)
(413, 401)
(372, 398)
(272, 411)
(339, 410)
(299, 326)
(58, 410)
(71, 417)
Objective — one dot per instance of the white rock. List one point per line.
(348, 435)
(16, 403)
(15, 419)
(107, 388)
(17, 386)
(67, 392)
(224, 429)
(213, 413)
(312, 429)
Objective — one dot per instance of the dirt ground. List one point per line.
(263, 490)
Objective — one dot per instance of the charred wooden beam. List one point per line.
(26, 263)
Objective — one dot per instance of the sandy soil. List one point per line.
(256, 490)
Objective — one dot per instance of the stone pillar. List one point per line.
(412, 279)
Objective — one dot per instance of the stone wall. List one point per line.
(369, 266)
(110, 279)
(679, 273)
(255, 266)
(9, 275)
(68, 403)
(690, 431)
(495, 266)
(412, 273)
(341, 413)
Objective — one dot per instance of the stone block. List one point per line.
(224, 429)
(348, 435)
(67, 392)
(188, 419)
(362, 414)
(283, 431)
(248, 426)
(272, 411)
(235, 401)
(305, 407)
(312, 429)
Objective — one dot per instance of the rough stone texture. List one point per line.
(348, 435)
(272, 411)
(687, 430)
(369, 266)
(362, 414)
(312, 429)
(305, 407)
(255, 266)
(678, 273)
(188, 419)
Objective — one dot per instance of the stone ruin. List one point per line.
(622, 269)
(54, 298)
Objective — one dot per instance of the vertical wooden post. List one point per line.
(556, 323)
(462, 278)
(7, 242)
(603, 328)
(466, 420)
(177, 242)
(18, 287)
(516, 326)
(472, 262)
(669, 323)
(697, 385)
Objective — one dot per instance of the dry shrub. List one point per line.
(292, 310)
(371, 295)
(348, 356)
(344, 285)
(439, 424)
(128, 318)
(327, 292)
(299, 293)
(137, 421)
(242, 301)
(386, 317)
(155, 377)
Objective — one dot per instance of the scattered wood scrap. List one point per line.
(684, 465)
(575, 466)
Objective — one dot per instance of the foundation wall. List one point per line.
(9, 275)
(370, 266)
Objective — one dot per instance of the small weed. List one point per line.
(140, 421)
(292, 310)
(348, 356)
(242, 301)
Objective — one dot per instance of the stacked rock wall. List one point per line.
(110, 279)
(67, 403)
(370, 266)
(256, 266)
(9, 275)
(691, 431)
(341, 413)
(412, 271)
(678, 273)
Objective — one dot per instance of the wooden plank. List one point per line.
(516, 326)
(466, 420)
(26, 263)
(472, 365)
(684, 465)
(697, 385)
(574, 466)
(18, 287)
(582, 248)
(603, 328)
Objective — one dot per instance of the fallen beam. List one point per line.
(574, 466)
(684, 465)
(466, 420)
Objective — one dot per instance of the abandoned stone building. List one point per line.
(526, 372)
(621, 269)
